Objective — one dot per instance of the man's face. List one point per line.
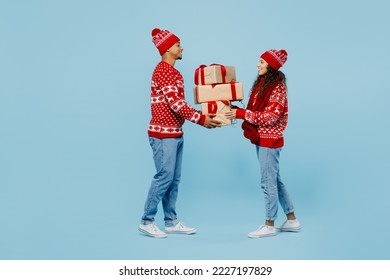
(176, 51)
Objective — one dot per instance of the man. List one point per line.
(169, 111)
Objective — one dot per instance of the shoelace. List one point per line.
(155, 228)
(261, 227)
(181, 225)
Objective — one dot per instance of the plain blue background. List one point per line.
(75, 162)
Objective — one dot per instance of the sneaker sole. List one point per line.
(152, 235)
(289, 229)
(180, 232)
(263, 235)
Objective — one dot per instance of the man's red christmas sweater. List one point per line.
(168, 106)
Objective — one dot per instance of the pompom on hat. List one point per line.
(275, 58)
(163, 39)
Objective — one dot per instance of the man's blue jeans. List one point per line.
(271, 183)
(167, 155)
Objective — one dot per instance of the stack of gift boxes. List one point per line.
(215, 88)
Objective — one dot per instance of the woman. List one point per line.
(265, 119)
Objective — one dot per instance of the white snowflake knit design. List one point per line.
(280, 58)
(160, 37)
(273, 120)
(168, 106)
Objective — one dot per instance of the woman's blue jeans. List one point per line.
(167, 155)
(271, 183)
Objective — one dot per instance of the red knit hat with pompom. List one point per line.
(163, 39)
(275, 58)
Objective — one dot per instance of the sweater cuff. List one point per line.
(202, 119)
(240, 114)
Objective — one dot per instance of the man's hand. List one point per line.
(210, 122)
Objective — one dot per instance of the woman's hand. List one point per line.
(231, 114)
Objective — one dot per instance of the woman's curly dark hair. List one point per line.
(271, 78)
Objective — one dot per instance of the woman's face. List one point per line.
(262, 67)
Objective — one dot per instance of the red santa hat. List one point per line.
(275, 58)
(163, 39)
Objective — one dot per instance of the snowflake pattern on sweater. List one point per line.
(168, 106)
(272, 121)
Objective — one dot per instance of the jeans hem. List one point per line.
(171, 223)
(146, 222)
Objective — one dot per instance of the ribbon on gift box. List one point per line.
(233, 92)
(200, 71)
(212, 106)
(233, 89)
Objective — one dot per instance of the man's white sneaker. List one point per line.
(263, 231)
(180, 228)
(152, 230)
(290, 225)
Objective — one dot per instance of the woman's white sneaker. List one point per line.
(152, 230)
(290, 225)
(180, 228)
(263, 231)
